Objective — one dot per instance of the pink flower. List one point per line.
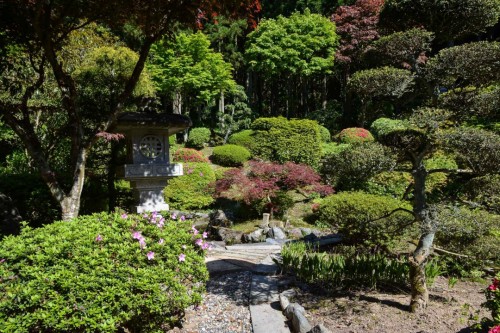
(161, 241)
(145, 216)
(201, 174)
(124, 216)
(182, 257)
(183, 218)
(151, 255)
(205, 246)
(2, 260)
(174, 216)
(190, 171)
(492, 287)
(205, 234)
(195, 231)
(495, 329)
(137, 235)
(98, 238)
(142, 243)
(199, 242)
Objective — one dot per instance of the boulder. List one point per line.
(256, 236)
(276, 233)
(228, 235)
(284, 302)
(295, 233)
(219, 219)
(294, 308)
(300, 324)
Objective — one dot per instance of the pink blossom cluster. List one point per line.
(495, 329)
(495, 285)
(199, 241)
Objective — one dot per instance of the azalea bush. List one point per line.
(101, 273)
(192, 190)
(492, 303)
(263, 185)
(355, 135)
(189, 155)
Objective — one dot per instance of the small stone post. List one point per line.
(265, 220)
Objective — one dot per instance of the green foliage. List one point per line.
(332, 148)
(448, 19)
(385, 126)
(347, 268)
(230, 155)
(302, 44)
(365, 218)
(244, 138)
(390, 183)
(484, 191)
(188, 65)
(473, 64)
(189, 155)
(282, 140)
(437, 180)
(385, 82)
(325, 134)
(473, 233)
(355, 135)
(353, 166)
(401, 49)
(192, 190)
(198, 137)
(91, 275)
(476, 149)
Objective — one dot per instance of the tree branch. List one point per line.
(458, 171)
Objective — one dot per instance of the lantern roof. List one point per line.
(173, 122)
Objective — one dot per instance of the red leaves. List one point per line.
(357, 26)
(264, 179)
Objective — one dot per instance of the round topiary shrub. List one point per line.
(100, 273)
(230, 155)
(325, 134)
(189, 155)
(198, 137)
(244, 138)
(355, 135)
(359, 217)
(192, 190)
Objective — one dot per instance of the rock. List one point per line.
(295, 233)
(290, 293)
(320, 328)
(219, 219)
(272, 241)
(306, 231)
(276, 233)
(284, 302)
(229, 236)
(256, 236)
(294, 308)
(10, 218)
(300, 324)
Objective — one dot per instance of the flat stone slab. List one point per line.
(264, 306)
(266, 267)
(254, 246)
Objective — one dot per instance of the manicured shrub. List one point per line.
(385, 126)
(198, 137)
(230, 155)
(485, 191)
(325, 134)
(192, 190)
(244, 138)
(391, 183)
(359, 217)
(100, 273)
(189, 155)
(355, 135)
(473, 233)
(354, 165)
(493, 302)
(332, 148)
(281, 140)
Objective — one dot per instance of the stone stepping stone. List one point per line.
(264, 306)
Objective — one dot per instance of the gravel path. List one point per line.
(225, 308)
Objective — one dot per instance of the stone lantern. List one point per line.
(148, 161)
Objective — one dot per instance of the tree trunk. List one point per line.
(417, 260)
(177, 105)
(70, 204)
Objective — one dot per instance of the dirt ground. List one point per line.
(385, 312)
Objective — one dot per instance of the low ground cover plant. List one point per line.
(101, 273)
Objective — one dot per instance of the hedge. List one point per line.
(100, 273)
(230, 155)
(189, 155)
(198, 137)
